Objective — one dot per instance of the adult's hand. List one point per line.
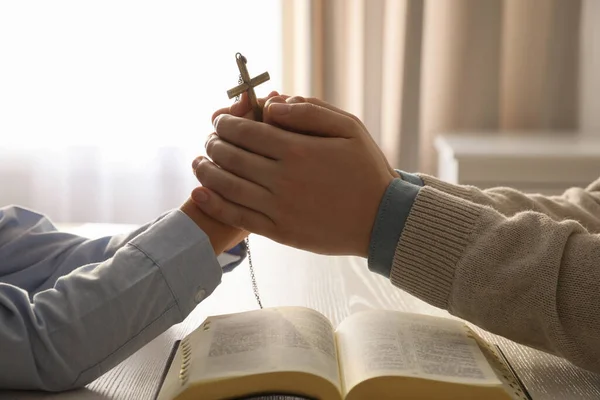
(318, 190)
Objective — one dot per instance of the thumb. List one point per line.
(242, 108)
(239, 108)
(311, 119)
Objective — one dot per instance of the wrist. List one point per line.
(394, 209)
(222, 237)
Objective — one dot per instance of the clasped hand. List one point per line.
(309, 176)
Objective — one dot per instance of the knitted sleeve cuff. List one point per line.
(462, 191)
(434, 238)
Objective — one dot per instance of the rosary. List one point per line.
(245, 84)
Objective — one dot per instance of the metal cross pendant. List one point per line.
(248, 85)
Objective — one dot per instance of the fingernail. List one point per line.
(199, 196)
(196, 162)
(279, 108)
(273, 93)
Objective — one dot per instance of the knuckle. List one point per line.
(221, 122)
(226, 124)
(202, 170)
(238, 220)
(354, 123)
(274, 99)
(235, 124)
(219, 153)
(224, 214)
(210, 143)
(215, 209)
(310, 108)
(316, 101)
(350, 125)
(233, 132)
(298, 111)
(229, 158)
(357, 120)
(230, 188)
(221, 213)
(296, 99)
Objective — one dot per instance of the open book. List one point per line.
(371, 355)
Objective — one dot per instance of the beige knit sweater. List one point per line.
(526, 267)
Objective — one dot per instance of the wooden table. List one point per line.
(335, 286)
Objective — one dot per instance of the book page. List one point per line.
(268, 340)
(377, 343)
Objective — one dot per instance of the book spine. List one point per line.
(517, 381)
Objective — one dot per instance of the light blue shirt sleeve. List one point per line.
(412, 178)
(72, 308)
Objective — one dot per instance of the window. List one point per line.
(120, 73)
(113, 86)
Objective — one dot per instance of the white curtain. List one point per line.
(414, 69)
(103, 105)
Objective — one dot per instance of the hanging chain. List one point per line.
(247, 240)
(252, 277)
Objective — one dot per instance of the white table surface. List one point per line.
(335, 286)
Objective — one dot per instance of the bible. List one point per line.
(373, 354)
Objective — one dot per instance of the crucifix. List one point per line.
(247, 85)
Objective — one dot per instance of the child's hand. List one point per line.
(222, 236)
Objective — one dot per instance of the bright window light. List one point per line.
(127, 74)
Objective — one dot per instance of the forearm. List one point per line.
(579, 204)
(526, 277)
(37, 254)
(92, 319)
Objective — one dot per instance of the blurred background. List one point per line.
(103, 105)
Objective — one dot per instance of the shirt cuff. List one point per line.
(412, 178)
(391, 217)
(185, 256)
(233, 257)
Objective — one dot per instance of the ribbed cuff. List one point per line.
(412, 178)
(394, 209)
(462, 191)
(432, 242)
